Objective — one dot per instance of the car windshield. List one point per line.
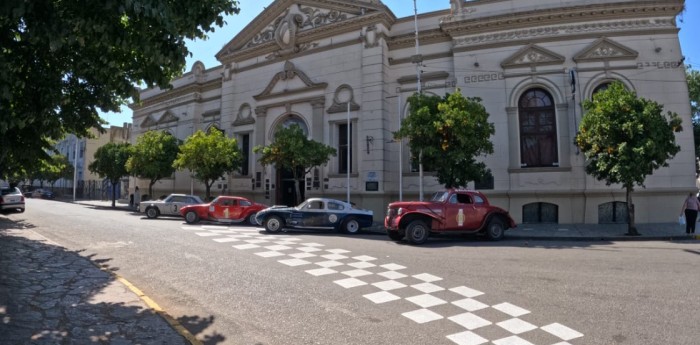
(440, 196)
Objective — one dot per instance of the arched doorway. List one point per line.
(286, 188)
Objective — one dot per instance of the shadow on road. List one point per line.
(51, 295)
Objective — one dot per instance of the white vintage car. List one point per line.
(170, 206)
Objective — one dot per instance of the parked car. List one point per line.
(223, 209)
(316, 213)
(452, 211)
(43, 194)
(169, 206)
(11, 199)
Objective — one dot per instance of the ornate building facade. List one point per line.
(347, 66)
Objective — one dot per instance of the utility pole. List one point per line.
(418, 60)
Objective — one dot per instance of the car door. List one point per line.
(176, 203)
(220, 209)
(460, 213)
(312, 214)
(235, 210)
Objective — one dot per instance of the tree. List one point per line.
(110, 163)
(62, 61)
(208, 156)
(693, 78)
(293, 151)
(56, 168)
(449, 134)
(625, 138)
(152, 157)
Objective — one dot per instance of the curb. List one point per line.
(602, 238)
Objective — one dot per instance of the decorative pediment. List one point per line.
(290, 73)
(285, 25)
(604, 49)
(167, 118)
(532, 55)
(344, 96)
(148, 122)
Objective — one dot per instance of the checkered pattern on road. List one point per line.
(425, 298)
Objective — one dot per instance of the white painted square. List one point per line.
(334, 257)
(510, 309)
(207, 234)
(270, 254)
(350, 283)
(389, 285)
(302, 255)
(278, 247)
(226, 240)
(361, 264)
(426, 301)
(223, 231)
(469, 321)
(469, 304)
(191, 228)
(240, 236)
(330, 263)
(381, 297)
(338, 251)
(356, 273)
(516, 326)
(309, 249)
(393, 267)
(466, 292)
(364, 258)
(294, 262)
(321, 272)
(467, 338)
(255, 241)
(428, 278)
(391, 275)
(562, 343)
(561, 331)
(427, 287)
(211, 227)
(513, 340)
(246, 246)
(422, 315)
(313, 244)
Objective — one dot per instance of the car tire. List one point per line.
(191, 217)
(495, 230)
(251, 219)
(152, 213)
(396, 235)
(417, 232)
(273, 224)
(350, 226)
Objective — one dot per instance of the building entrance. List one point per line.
(286, 193)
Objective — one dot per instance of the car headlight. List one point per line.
(400, 211)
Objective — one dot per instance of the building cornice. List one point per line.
(169, 95)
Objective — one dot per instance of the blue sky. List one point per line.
(204, 50)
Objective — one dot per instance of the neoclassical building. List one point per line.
(347, 66)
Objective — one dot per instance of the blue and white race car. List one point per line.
(316, 213)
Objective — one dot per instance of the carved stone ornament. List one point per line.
(605, 49)
(344, 94)
(148, 122)
(370, 36)
(532, 55)
(244, 117)
(290, 72)
(168, 117)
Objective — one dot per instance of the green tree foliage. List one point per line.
(56, 168)
(62, 61)
(110, 163)
(292, 150)
(693, 78)
(450, 132)
(625, 138)
(152, 157)
(208, 156)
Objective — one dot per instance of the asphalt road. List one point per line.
(238, 285)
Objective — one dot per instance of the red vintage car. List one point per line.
(453, 211)
(223, 209)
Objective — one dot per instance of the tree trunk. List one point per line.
(114, 194)
(207, 193)
(150, 189)
(631, 228)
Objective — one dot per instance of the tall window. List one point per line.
(245, 148)
(538, 129)
(344, 148)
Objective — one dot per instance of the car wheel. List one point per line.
(495, 230)
(417, 232)
(273, 224)
(152, 212)
(351, 226)
(251, 219)
(191, 217)
(396, 235)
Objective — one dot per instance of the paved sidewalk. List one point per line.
(49, 295)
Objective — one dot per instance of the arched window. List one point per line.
(538, 129)
(540, 212)
(602, 87)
